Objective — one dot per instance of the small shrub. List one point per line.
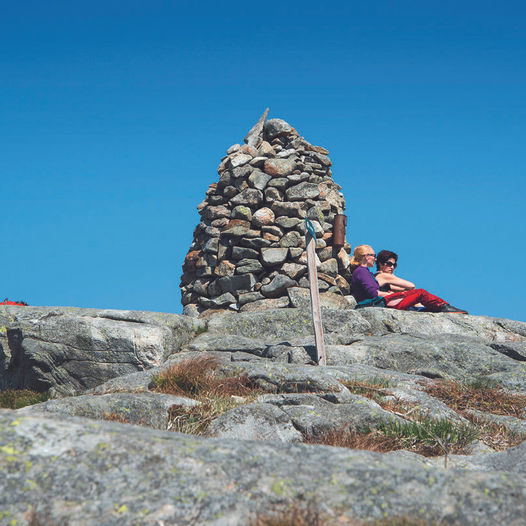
(15, 399)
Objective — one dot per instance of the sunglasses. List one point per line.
(389, 264)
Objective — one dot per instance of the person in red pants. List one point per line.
(364, 286)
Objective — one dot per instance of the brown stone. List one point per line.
(329, 279)
(269, 237)
(343, 284)
(249, 150)
(279, 167)
(215, 212)
(266, 149)
(225, 268)
(263, 217)
(191, 260)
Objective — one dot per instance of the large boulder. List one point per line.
(66, 470)
(144, 409)
(67, 350)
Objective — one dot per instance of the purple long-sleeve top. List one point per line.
(363, 284)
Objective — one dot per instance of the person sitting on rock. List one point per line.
(364, 286)
(386, 262)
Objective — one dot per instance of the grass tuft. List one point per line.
(487, 399)
(295, 514)
(495, 435)
(431, 437)
(428, 437)
(15, 399)
(349, 438)
(198, 378)
(300, 513)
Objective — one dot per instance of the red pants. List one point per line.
(414, 296)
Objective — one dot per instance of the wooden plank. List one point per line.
(321, 357)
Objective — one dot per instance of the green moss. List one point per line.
(15, 399)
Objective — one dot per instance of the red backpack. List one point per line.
(7, 302)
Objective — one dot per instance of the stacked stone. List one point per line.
(248, 251)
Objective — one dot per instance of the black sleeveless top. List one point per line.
(386, 287)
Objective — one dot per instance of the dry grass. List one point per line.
(296, 514)
(374, 388)
(481, 396)
(115, 417)
(496, 436)
(309, 514)
(426, 437)
(489, 400)
(198, 378)
(370, 441)
(195, 420)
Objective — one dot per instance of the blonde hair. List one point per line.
(358, 255)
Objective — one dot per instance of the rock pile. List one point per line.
(249, 248)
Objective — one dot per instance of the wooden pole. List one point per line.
(310, 240)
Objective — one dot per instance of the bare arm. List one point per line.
(397, 284)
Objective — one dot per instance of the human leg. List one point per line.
(409, 298)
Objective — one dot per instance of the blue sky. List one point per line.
(114, 117)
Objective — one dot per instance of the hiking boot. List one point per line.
(449, 308)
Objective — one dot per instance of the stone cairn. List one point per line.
(248, 251)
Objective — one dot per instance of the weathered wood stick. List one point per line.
(310, 239)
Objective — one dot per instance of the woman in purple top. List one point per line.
(364, 286)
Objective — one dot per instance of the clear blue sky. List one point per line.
(114, 117)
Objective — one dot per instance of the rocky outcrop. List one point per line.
(67, 350)
(76, 472)
(111, 473)
(249, 248)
